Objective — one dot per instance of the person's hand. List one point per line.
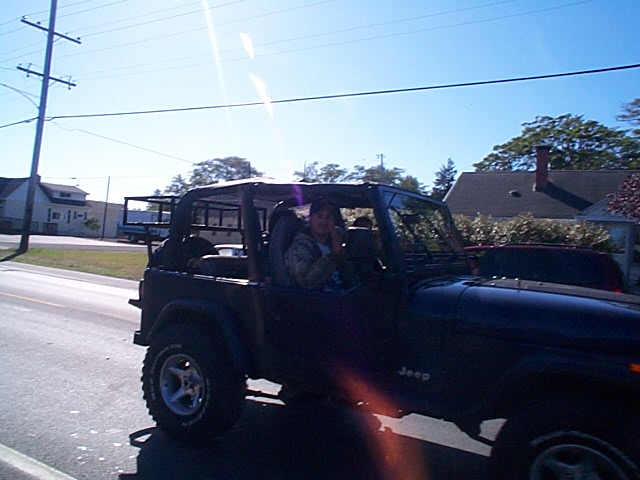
(336, 241)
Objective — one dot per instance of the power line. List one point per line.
(128, 144)
(341, 95)
(163, 19)
(165, 35)
(314, 47)
(304, 37)
(358, 94)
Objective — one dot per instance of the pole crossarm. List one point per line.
(37, 25)
(60, 80)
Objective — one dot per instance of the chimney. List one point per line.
(542, 167)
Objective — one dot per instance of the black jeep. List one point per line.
(416, 333)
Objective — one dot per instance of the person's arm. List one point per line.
(307, 267)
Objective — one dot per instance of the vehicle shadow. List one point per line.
(316, 442)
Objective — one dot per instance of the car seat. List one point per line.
(286, 226)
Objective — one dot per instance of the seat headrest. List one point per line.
(360, 244)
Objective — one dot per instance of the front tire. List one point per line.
(569, 439)
(191, 388)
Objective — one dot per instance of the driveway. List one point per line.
(70, 243)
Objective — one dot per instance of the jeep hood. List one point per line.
(533, 312)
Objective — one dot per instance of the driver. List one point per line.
(315, 258)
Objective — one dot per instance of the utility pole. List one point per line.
(382, 175)
(46, 77)
(106, 204)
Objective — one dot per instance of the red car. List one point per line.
(554, 263)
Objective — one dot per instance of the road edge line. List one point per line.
(30, 466)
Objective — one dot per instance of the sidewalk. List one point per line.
(69, 243)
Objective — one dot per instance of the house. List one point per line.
(57, 209)
(568, 195)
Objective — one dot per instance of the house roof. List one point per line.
(508, 194)
(50, 188)
(9, 185)
(53, 187)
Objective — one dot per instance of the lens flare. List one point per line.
(394, 457)
(206, 10)
(262, 91)
(247, 43)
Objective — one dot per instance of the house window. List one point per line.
(57, 216)
(68, 216)
(65, 195)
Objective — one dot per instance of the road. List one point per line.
(71, 402)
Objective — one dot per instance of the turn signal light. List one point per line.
(634, 367)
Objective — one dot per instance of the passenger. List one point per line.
(315, 258)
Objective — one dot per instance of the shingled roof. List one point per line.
(508, 194)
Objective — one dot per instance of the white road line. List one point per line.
(30, 466)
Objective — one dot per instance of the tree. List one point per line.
(389, 176)
(626, 201)
(332, 173)
(178, 186)
(631, 114)
(154, 207)
(93, 224)
(212, 171)
(221, 169)
(575, 144)
(445, 177)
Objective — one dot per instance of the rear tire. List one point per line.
(568, 439)
(191, 388)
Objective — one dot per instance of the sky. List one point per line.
(220, 69)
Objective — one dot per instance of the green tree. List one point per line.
(178, 186)
(221, 169)
(631, 114)
(153, 207)
(93, 224)
(389, 176)
(445, 177)
(332, 173)
(575, 144)
(212, 171)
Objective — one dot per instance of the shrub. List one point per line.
(525, 228)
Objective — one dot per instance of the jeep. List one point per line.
(560, 363)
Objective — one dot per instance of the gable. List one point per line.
(9, 185)
(508, 194)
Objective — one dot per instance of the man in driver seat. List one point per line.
(316, 258)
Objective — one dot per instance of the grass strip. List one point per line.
(129, 265)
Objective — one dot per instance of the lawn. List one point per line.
(128, 265)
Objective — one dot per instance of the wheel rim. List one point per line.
(575, 462)
(181, 384)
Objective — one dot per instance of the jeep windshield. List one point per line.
(424, 231)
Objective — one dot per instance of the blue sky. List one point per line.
(139, 55)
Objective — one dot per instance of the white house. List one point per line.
(57, 209)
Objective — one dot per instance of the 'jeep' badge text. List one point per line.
(405, 372)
